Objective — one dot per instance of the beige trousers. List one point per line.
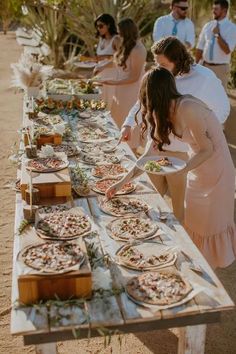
(221, 71)
(174, 183)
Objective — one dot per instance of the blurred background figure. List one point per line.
(176, 24)
(108, 44)
(216, 42)
(129, 63)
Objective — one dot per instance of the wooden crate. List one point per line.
(75, 284)
(51, 185)
(55, 139)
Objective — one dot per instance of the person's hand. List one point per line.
(125, 134)
(111, 191)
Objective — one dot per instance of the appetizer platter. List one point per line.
(132, 228)
(46, 164)
(121, 206)
(102, 186)
(48, 209)
(146, 256)
(52, 257)
(160, 288)
(160, 165)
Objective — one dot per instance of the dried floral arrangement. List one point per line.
(29, 72)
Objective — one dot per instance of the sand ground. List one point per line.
(221, 337)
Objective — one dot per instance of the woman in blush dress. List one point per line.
(129, 63)
(108, 44)
(209, 196)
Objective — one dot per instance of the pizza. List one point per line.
(132, 228)
(109, 170)
(164, 161)
(132, 257)
(158, 288)
(92, 133)
(102, 186)
(63, 225)
(48, 120)
(46, 164)
(52, 256)
(48, 209)
(123, 206)
(93, 159)
(99, 148)
(68, 149)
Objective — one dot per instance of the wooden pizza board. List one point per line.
(35, 286)
(51, 185)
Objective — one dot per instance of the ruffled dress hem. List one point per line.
(218, 249)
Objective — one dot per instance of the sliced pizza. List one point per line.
(63, 226)
(123, 206)
(46, 164)
(52, 256)
(145, 256)
(108, 170)
(102, 186)
(132, 228)
(158, 288)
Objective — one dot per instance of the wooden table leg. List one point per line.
(48, 348)
(192, 339)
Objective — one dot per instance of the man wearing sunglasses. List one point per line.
(176, 24)
(216, 42)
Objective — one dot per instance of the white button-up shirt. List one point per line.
(201, 83)
(164, 25)
(227, 32)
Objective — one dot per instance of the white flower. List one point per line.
(47, 151)
(59, 128)
(101, 279)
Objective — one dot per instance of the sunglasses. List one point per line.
(183, 8)
(100, 26)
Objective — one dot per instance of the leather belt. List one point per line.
(214, 64)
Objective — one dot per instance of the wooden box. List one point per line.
(55, 139)
(75, 284)
(50, 185)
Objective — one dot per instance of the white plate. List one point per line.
(177, 164)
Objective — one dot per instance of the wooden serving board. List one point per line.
(33, 286)
(51, 185)
(55, 139)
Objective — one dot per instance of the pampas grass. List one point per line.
(29, 72)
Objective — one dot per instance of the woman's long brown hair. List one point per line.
(129, 34)
(157, 91)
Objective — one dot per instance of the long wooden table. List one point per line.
(114, 310)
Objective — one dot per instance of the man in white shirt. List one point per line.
(192, 79)
(216, 42)
(176, 24)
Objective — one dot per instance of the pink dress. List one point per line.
(125, 95)
(209, 199)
